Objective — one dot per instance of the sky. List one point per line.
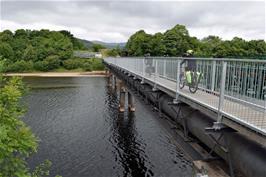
(116, 21)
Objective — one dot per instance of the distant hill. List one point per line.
(112, 45)
(87, 44)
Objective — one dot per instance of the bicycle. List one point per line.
(193, 83)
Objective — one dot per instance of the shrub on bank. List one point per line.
(20, 66)
(73, 63)
(52, 62)
(87, 66)
(97, 64)
(48, 64)
(40, 66)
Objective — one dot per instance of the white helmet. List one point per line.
(189, 51)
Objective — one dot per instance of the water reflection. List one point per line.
(83, 135)
(129, 150)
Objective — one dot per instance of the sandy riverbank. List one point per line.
(60, 74)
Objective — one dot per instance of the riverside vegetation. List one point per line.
(17, 142)
(176, 41)
(44, 50)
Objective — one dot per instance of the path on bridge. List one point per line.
(243, 109)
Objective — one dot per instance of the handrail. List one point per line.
(234, 86)
(199, 58)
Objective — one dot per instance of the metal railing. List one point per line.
(235, 88)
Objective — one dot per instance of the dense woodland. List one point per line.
(176, 41)
(44, 50)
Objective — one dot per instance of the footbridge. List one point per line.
(231, 92)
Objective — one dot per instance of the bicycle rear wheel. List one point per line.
(193, 87)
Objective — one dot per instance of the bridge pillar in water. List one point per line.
(115, 82)
(122, 96)
(131, 102)
(110, 79)
(123, 92)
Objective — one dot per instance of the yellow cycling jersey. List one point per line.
(189, 76)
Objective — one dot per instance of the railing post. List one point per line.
(164, 68)
(155, 75)
(143, 70)
(221, 98)
(213, 75)
(177, 80)
(135, 65)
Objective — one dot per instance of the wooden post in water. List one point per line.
(122, 97)
(110, 79)
(115, 83)
(131, 102)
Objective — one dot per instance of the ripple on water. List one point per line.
(82, 133)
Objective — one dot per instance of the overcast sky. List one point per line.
(115, 21)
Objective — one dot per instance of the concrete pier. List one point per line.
(122, 96)
(110, 79)
(131, 102)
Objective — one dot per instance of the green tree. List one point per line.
(139, 44)
(17, 142)
(52, 62)
(6, 51)
(176, 40)
(97, 47)
(157, 46)
(6, 36)
(21, 33)
(30, 54)
(77, 44)
(210, 46)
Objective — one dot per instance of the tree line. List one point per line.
(176, 41)
(41, 50)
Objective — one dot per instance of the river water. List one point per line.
(82, 133)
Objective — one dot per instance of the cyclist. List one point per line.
(191, 65)
(149, 64)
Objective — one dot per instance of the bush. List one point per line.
(52, 62)
(3, 65)
(87, 66)
(20, 66)
(73, 63)
(41, 66)
(97, 64)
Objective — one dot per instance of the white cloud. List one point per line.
(115, 21)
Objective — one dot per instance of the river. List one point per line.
(82, 133)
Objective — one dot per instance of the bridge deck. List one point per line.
(243, 114)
